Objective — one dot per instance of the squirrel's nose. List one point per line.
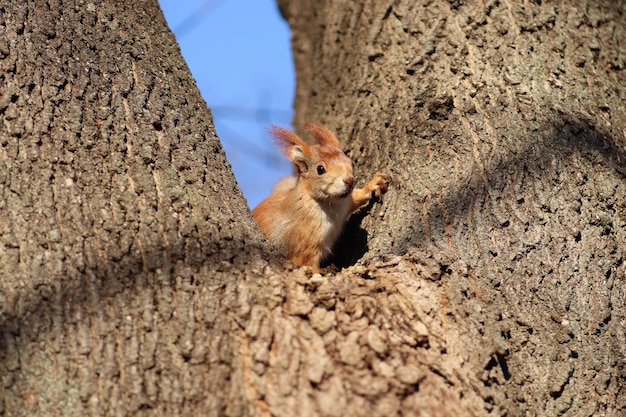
(349, 182)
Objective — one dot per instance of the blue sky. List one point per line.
(239, 53)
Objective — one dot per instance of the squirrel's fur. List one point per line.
(305, 214)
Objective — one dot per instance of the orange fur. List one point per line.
(304, 216)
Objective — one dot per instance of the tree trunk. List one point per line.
(491, 279)
(123, 232)
(504, 128)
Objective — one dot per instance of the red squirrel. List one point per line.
(305, 213)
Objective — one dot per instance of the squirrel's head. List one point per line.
(323, 169)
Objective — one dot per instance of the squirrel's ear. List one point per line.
(299, 159)
(322, 135)
(296, 150)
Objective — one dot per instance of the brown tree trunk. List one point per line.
(122, 231)
(133, 280)
(503, 125)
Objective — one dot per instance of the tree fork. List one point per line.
(135, 282)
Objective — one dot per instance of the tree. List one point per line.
(135, 282)
(503, 125)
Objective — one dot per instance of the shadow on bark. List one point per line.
(554, 209)
(108, 293)
(352, 243)
(572, 134)
(101, 293)
(545, 235)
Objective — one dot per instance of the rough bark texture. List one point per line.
(118, 231)
(504, 127)
(133, 280)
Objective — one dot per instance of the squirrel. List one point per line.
(305, 213)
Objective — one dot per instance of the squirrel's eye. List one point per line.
(321, 170)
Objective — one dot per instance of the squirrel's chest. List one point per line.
(312, 227)
(330, 221)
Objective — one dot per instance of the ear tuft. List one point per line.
(287, 139)
(322, 135)
(292, 146)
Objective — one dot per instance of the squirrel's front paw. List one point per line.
(379, 184)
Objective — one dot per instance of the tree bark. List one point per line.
(122, 230)
(491, 279)
(503, 126)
